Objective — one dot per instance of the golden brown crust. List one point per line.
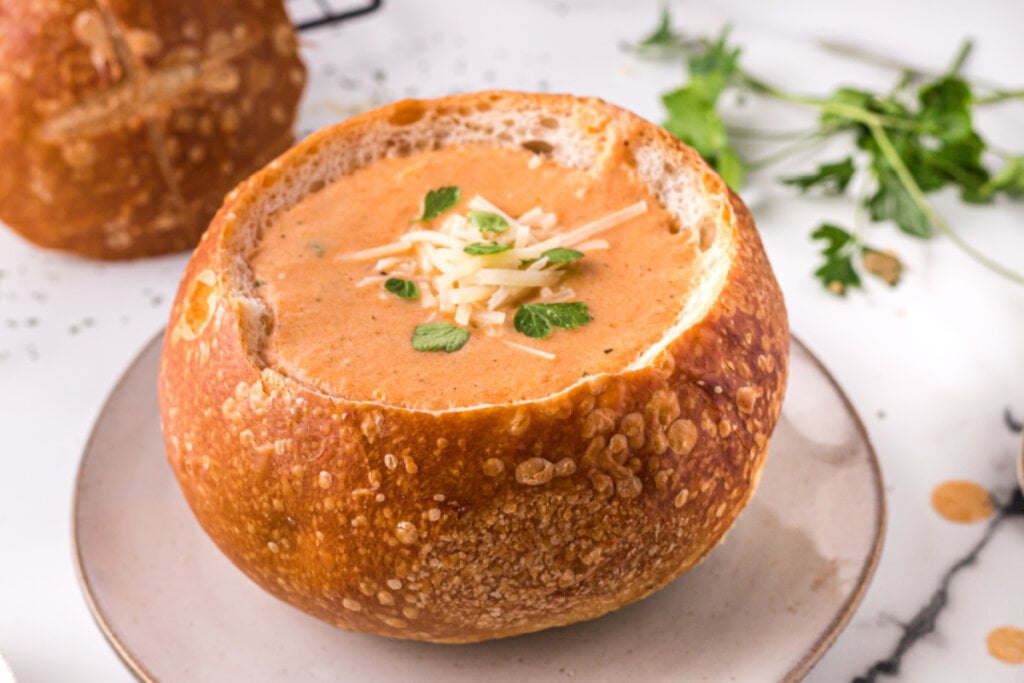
(125, 123)
(464, 525)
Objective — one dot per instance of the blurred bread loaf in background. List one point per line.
(125, 123)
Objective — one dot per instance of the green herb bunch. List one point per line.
(914, 140)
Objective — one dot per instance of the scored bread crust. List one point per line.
(485, 521)
(125, 123)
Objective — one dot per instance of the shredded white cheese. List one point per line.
(481, 289)
(528, 349)
(513, 278)
(592, 245)
(371, 280)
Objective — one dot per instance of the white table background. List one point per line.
(931, 365)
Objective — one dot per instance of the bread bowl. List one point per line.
(125, 124)
(494, 508)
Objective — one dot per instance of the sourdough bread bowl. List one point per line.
(126, 123)
(449, 504)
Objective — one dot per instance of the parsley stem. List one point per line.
(960, 58)
(885, 61)
(998, 93)
(762, 134)
(1004, 154)
(789, 150)
(1000, 96)
(912, 188)
(911, 72)
(849, 111)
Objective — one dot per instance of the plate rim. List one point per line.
(803, 666)
(120, 649)
(846, 611)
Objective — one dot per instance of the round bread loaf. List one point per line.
(469, 522)
(126, 123)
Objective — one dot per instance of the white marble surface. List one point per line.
(931, 365)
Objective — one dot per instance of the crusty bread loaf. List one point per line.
(482, 521)
(125, 123)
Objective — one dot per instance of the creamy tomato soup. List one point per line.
(337, 328)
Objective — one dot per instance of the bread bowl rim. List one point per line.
(718, 258)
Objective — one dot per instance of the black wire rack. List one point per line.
(311, 14)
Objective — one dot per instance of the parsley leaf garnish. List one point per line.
(537, 320)
(438, 201)
(439, 337)
(405, 289)
(892, 201)
(830, 178)
(562, 255)
(485, 221)
(837, 273)
(482, 249)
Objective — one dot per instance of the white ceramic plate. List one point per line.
(764, 606)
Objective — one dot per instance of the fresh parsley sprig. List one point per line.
(915, 140)
(692, 109)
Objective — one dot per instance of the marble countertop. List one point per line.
(934, 366)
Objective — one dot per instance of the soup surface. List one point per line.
(338, 328)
